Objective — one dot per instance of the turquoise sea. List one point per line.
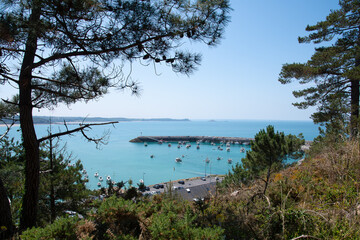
(123, 160)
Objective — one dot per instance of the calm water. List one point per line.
(123, 160)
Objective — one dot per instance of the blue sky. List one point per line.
(236, 80)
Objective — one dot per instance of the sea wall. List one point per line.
(141, 139)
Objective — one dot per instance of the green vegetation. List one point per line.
(317, 199)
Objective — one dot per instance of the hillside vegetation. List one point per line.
(317, 199)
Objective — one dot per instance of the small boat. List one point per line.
(96, 174)
(84, 171)
(108, 178)
(141, 181)
(229, 160)
(169, 145)
(145, 144)
(182, 156)
(227, 144)
(228, 149)
(151, 156)
(178, 160)
(100, 179)
(197, 147)
(99, 184)
(242, 150)
(218, 158)
(178, 146)
(207, 160)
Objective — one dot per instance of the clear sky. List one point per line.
(236, 80)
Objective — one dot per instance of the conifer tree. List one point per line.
(268, 152)
(333, 72)
(63, 50)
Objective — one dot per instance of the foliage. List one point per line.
(333, 71)
(68, 185)
(66, 178)
(62, 228)
(268, 152)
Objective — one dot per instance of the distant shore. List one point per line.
(41, 120)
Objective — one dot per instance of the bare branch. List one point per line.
(81, 128)
(8, 127)
(305, 236)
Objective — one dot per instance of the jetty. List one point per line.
(176, 139)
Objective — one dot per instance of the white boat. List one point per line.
(229, 160)
(141, 181)
(96, 174)
(99, 184)
(178, 160)
(242, 150)
(228, 149)
(108, 178)
(100, 179)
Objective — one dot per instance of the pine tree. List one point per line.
(268, 152)
(62, 49)
(333, 72)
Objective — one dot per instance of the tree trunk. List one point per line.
(354, 96)
(354, 120)
(267, 179)
(52, 192)
(5, 214)
(30, 142)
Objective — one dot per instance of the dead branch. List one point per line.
(8, 126)
(305, 236)
(81, 128)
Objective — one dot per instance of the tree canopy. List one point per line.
(63, 51)
(332, 73)
(268, 153)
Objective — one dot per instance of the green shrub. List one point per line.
(62, 228)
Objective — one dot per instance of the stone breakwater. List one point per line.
(239, 140)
